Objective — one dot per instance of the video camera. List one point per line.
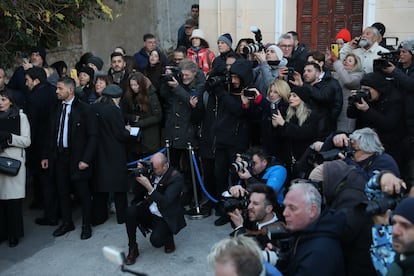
(362, 93)
(175, 73)
(146, 169)
(239, 166)
(258, 46)
(385, 58)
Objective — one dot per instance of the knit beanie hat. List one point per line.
(113, 91)
(406, 209)
(277, 50)
(303, 93)
(380, 27)
(41, 50)
(87, 70)
(226, 38)
(375, 80)
(344, 34)
(97, 61)
(408, 45)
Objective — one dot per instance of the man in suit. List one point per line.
(160, 211)
(73, 138)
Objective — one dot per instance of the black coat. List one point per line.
(167, 196)
(111, 168)
(82, 138)
(38, 107)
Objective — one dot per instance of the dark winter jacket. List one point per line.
(343, 188)
(141, 59)
(298, 58)
(317, 249)
(111, 168)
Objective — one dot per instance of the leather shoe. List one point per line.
(169, 246)
(63, 229)
(133, 253)
(13, 241)
(222, 220)
(46, 221)
(86, 232)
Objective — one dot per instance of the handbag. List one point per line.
(9, 166)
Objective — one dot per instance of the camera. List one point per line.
(146, 169)
(381, 205)
(362, 93)
(258, 46)
(283, 242)
(176, 73)
(330, 155)
(385, 58)
(215, 81)
(239, 166)
(230, 204)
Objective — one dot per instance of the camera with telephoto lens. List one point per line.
(239, 166)
(230, 204)
(146, 169)
(175, 73)
(381, 205)
(362, 93)
(386, 58)
(330, 155)
(258, 46)
(283, 243)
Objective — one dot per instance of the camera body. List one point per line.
(381, 205)
(291, 72)
(330, 155)
(385, 58)
(146, 169)
(176, 73)
(258, 46)
(362, 93)
(230, 204)
(218, 80)
(283, 242)
(249, 93)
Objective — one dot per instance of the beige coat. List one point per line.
(13, 187)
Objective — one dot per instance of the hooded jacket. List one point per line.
(343, 188)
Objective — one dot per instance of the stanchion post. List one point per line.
(167, 147)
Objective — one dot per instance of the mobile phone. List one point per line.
(291, 71)
(26, 60)
(273, 108)
(335, 49)
(73, 73)
(249, 93)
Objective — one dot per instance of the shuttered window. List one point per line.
(318, 21)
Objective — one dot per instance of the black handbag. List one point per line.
(9, 166)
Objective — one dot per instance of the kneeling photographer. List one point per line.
(160, 211)
(361, 149)
(257, 167)
(254, 215)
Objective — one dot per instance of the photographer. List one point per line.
(365, 151)
(160, 210)
(403, 80)
(262, 169)
(392, 247)
(180, 91)
(259, 212)
(378, 105)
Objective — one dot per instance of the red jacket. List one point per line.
(203, 57)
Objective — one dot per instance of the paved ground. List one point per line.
(39, 253)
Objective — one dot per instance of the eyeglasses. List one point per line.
(285, 46)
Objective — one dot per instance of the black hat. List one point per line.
(113, 91)
(405, 209)
(87, 70)
(41, 50)
(380, 27)
(375, 80)
(97, 61)
(303, 93)
(243, 69)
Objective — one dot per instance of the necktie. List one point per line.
(61, 127)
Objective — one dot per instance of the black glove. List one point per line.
(5, 136)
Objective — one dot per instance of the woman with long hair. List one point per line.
(155, 68)
(301, 126)
(141, 108)
(14, 138)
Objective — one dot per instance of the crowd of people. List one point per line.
(279, 112)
